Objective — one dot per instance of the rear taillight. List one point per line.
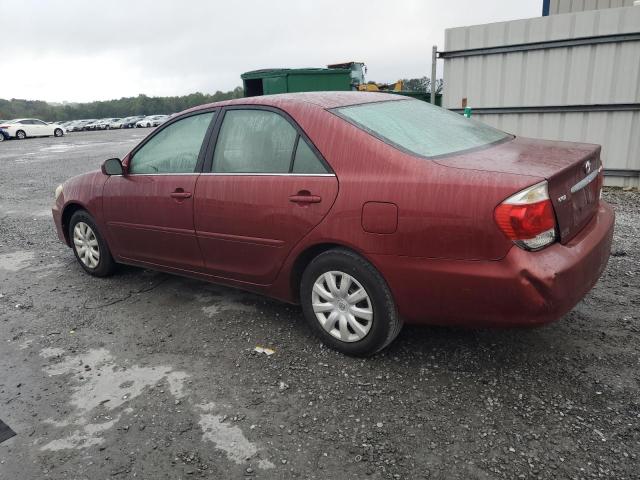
(527, 218)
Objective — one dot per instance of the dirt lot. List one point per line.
(147, 375)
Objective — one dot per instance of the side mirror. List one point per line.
(113, 166)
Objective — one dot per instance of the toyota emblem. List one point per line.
(587, 167)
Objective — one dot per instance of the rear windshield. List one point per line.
(421, 128)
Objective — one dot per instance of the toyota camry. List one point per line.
(370, 210)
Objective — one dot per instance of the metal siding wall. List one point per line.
(572, 6)
(580, 75)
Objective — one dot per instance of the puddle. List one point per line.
(227, 306)
(100, 384)
(101, 389)
(16, 261)
(229, 302)
(57, 148)
(228, 438)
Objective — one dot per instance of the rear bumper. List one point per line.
(522, 289)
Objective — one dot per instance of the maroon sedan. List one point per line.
(368, 209)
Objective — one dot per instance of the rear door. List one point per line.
(149, 210)
(43, 129)
(30, 127)
(268, 187)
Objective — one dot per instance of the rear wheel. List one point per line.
(58, 132)
(89, 246)
(20, 135)
(348, 304)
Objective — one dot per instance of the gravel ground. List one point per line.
(148, 375)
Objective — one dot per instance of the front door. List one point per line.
(268, 187)
(149, 210)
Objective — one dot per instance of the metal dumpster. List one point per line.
(286, 80)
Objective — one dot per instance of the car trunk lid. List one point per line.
(572, 171)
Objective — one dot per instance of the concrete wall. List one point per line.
(589, 92)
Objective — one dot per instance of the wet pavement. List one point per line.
(149, 375)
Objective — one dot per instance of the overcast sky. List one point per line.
(78, 50)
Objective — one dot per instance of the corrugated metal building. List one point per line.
(554, 7)
(573, 76)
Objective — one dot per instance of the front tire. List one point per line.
(58, 132)
(89, 247)
(348, 304)
(20, 135)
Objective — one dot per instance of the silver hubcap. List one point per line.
(342, 306)
(86, 245)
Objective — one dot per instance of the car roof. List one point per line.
(325, 100)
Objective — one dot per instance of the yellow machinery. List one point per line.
(358, 70)
(381, 87)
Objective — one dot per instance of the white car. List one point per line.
(22, 128)
(151, 121)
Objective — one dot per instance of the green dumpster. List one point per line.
(286, 80)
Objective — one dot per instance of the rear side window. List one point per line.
(254, 141)
(306, 161)
(421, 128)
(174, 149)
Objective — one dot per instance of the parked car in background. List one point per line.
(79, 125)
(96, 124)
(438, 219)
(160, 119)
(116, 123)
(31, 127)
(127, 122)
(151, 121)
(105, 123)
(65, 125)
(131, 121)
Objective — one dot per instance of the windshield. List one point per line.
(420, 128)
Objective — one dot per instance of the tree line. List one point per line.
(123, 107)
(421, 85)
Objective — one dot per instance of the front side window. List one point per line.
(174, 149)
(421, 128)
(254, 141)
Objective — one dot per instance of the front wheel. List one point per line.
(20, 135)
(89, 246)
(348, 304)
(58, 132)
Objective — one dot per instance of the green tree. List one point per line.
(122, 107)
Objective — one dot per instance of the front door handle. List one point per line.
(304, 197)
(180, 194)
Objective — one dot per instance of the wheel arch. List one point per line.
(305, 257)
(67, 213)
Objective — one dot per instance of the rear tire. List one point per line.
(348, 304)
(58, 132)
(89, 247)
(20, 135)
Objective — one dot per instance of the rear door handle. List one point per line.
(180, 194)
(305, 197)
